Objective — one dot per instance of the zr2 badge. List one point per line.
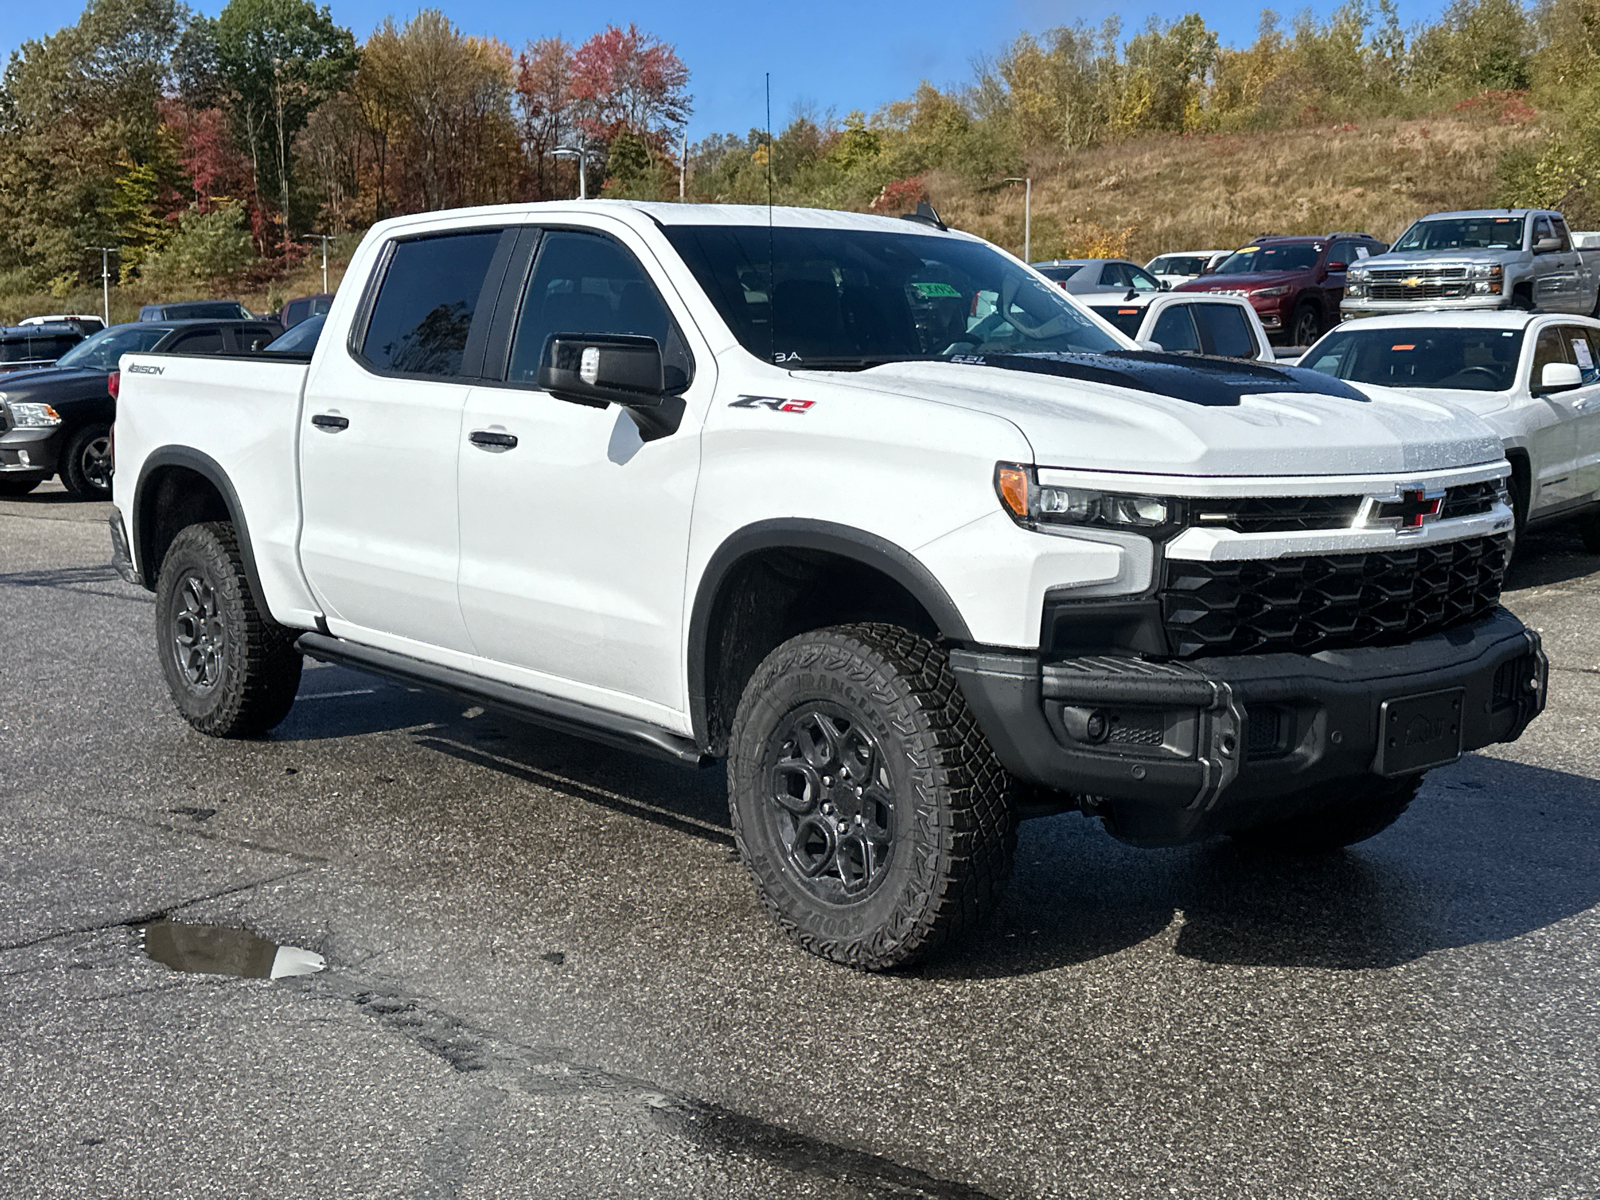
(775, 403)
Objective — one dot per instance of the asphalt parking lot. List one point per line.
(548, 976)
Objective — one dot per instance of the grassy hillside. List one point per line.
(1195, 192)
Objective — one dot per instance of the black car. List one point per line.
(58, 420)
(194, 310)
(28, 347)
(303, 308)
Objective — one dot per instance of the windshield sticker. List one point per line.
(930, 291)
(1247, 249)
(1580, 347)
(1407, 346)
(775, 403)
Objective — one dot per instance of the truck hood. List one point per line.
(1478, 403)
(1081, 423)
(1436, 258)
(1240, 283)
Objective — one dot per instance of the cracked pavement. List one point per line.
(548, 976)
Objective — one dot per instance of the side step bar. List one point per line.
(566, 716)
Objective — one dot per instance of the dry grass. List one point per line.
(1177, 193)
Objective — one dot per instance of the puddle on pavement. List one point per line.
(218, 950)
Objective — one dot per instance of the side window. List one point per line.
(1560, 229)
(1175, 331)
(249, 338)
(423, 312)
(1140, 278)
(201, 341)
(1541, 229)
(1581, 349)
(1225, 328)
(586, 283)
(1343, 252)
(1113, 275)
(1548, 349)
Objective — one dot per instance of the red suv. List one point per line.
(1294, 283)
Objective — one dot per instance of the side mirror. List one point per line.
(1560, 377)
(1547, 245)
(607, 369)
(1335, 267)
(1166, 284)
(1152, 347)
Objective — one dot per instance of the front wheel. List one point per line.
(231, 669)
(86, 465)
(1347, 812)
(1307, 326)
(866, 804)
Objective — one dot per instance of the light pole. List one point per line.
(324, 238)
(1027, 214)
(105, 277)
(582, 155)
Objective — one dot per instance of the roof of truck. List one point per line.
(1485, 212)
(1504, 318)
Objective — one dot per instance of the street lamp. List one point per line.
(324, 238)
(105, 276)
(582, 155)
(1027, 214)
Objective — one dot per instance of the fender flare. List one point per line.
(209, 469)
(804, 534)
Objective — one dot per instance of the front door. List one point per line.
(1553, 442)
(1583, 407)
(379, 540)
(574, 528)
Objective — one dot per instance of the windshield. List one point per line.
(102, 351)
(854, 297)
(1463, 233)
(1473, 360)
(1177, 264)
(302, 339)
(1259, 260)
(1124, 318)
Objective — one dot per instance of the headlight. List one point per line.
(34, 416)
(1032, 505)
(1355, 289)
(1488, 279)
(1280, 290)
(1356, 275)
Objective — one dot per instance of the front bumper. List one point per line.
(1350, 310)
(29, 452)
(1175, 751)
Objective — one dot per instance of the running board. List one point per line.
(566, 716)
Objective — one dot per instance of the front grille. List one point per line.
(1433, 283)
(1328, 601)
(1279, 514)
(1470, 499)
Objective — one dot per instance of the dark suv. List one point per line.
(58, 420)
(27, 347)
(1294, 283)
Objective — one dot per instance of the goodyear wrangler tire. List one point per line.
(231, 669)
(1355, 811)
(867, 805)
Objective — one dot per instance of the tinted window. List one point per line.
(201, 341)
(1178, 264)
(425, 304)
(1463, 233)
(1560, 229)
(1550, 348)
(1175, 331)
(847, 298)
(586, 283)
(1477, 360)
(1126, 319)
(1259, 259)
(1225, 327)
(302, 339)
(1343, 252)
(250, 338)
(1114, 275)
(103, 351)
(1058, 274)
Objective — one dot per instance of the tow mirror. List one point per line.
(601, 369)
(1560, 377)
(1547, 245)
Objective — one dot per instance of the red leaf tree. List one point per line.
(625, 79)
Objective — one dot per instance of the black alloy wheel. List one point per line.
(1307, 326)
(86, 465)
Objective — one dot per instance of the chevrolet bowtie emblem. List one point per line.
(1414, 509)
(1414, 281)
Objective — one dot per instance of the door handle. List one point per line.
(490, 439)
(332, 422)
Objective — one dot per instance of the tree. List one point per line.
(279, 59)
(633, 80)
(545, 106)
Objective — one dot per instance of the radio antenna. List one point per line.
(772, 271)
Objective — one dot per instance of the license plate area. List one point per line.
(1418, 732)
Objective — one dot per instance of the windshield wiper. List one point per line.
(854, 362)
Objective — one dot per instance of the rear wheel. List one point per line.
(1306, 327)
(86, 464)
(17, 487)
(1349, 812)
(866, 804)
(231, 669)
(1589, 528)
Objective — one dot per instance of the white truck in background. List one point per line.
(864, 506)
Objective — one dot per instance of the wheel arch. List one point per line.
(179, 486)
(726, 644)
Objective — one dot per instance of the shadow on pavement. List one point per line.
(1554, 554)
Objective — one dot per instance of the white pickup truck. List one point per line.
(864, 506)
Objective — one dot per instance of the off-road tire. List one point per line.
(1348, 812)
(85, 463)
(952, 823)
(206, 614)
(1305, 327)
(17, 487)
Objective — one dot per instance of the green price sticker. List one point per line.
(929, 291)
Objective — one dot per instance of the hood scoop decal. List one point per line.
(1197, 379)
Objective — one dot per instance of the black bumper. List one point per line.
(30, 453)
(1173, 751)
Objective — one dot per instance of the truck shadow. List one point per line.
(1491, 850)
(1554, 554)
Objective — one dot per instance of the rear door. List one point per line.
(1583, 405)
(574, 529)
(380, 539)
(1553, 442)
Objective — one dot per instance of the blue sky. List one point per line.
(825, 53)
